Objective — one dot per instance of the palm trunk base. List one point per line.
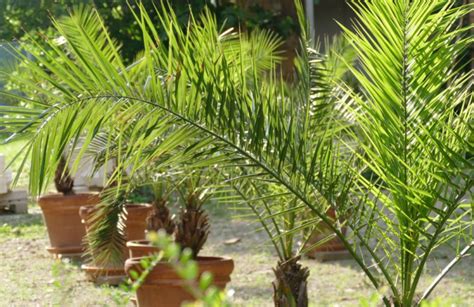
(290, 285)
(160, 218)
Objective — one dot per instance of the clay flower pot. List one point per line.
(164, 288)
(61, 216)
(135, 226)
(333, 249)
(141, 248)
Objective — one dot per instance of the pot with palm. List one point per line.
(163, 286)
(132, 223)
(61, 214)
(158, 218)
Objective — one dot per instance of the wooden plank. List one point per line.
(15, 201)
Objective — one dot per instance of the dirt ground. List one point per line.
(30, 277)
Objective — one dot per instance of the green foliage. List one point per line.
(440, 302)
(29, 16)
(414, 115)
(141, 195)
(14, 155)
(371, 301)
(255, 17)
(19, 16)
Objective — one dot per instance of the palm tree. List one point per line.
(160, 217)
(414, 114)
(211, 98)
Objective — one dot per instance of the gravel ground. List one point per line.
(30, 277)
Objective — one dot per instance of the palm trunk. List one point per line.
(192, 229)
(290, 285)
(160, 218)
(62, 178)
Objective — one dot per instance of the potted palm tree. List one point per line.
(159, 218)
(247, 58)
(190, 230)
(61, 214)
(131, 224)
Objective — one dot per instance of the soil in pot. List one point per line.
(164, 288)
(61, 216)
(135, 226)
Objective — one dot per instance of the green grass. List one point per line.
(25, 226)
(27, 231)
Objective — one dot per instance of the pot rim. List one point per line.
(60, 195)
(220, 267)
(139, 243)
(127, 206)
(200, 259)
(137, 205)
(88, 267)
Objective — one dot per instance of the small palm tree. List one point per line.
(193, 226)
(414, 114)
(62, 179)
(160, 217)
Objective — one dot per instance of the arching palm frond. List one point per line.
(415, 113)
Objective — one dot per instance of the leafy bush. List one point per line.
(28, 16)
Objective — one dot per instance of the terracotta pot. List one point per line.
(164, 288)
(63, 223)
(136, 221)
(135, 226)
(141, 248)
(333, 245)
(101, 276)
(333, 248)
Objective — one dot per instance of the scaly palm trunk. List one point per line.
(193, 227)
(160, 218)
(62, 178)
(290, 285)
